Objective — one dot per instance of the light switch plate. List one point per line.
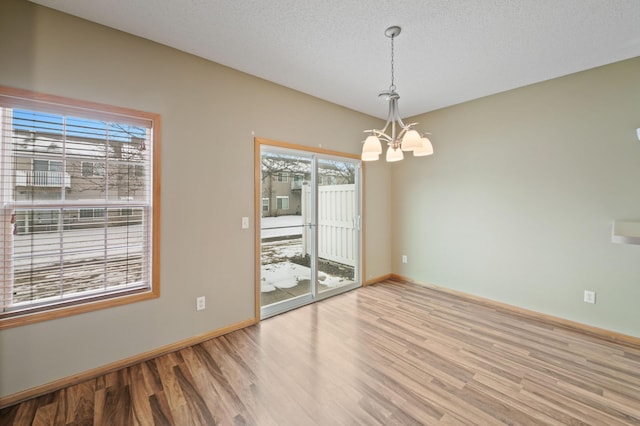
(200, 303)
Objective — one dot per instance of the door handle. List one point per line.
(356, 222)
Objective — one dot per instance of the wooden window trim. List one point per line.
(19, 98)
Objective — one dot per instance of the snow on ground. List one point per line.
(280, 226)
(283, 275)
(278, 272)
(288, 275)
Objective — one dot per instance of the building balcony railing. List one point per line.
(44, 179)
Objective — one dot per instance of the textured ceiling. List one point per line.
(448, 52)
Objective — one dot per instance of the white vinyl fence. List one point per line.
(336, 223)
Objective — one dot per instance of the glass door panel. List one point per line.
(338, 223)
(309, 227)
(285, 273)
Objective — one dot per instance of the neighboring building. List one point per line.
(284, 177)
(281, 193)
(86, 168)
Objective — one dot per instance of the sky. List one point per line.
(34, 121)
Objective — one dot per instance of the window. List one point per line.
(79, 210)
(265, 205)
(138, 171)
(43, 173)
(296, 182)
(92, 169)
(282, 177)
(47, 166)
(91, 213)
(282, 202)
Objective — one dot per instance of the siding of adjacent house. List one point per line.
(34, 185)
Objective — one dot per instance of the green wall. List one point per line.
(517, 203)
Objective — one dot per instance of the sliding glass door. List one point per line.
(285, 272)
(338, 223)
(309, 227)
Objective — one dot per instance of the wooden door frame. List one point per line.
(257, 175)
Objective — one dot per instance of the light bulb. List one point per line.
(411, 140)
(394, 154)
(425, 148)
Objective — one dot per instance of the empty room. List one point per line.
(320, 213)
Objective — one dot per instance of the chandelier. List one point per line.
(403, 137)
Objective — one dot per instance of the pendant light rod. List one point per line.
(392, 33)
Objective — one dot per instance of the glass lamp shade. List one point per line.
(411, 140)
(370, 156)
(425, 148)
(394, 154)
(372, 144)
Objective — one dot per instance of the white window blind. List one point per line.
(67, 174)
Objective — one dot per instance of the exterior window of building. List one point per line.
(79, 214)
(42, 174)
(296, 183)
(91, 213)
(265, 204)
(282, 177)
(47, 166)
(92, 169)
(282, 202)
(135, 170)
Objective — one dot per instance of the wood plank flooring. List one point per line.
(389, 354)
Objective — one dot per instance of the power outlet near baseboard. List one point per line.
(589, 296)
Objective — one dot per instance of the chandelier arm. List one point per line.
(395, 117)
(404, 126)
(390, 112)
(382, 135)
(401, 134)
(379, 133)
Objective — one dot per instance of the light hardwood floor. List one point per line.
(391, 353)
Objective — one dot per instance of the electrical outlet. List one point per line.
(589, 296)
(404, 258)
(200, 303)
(245, 223)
